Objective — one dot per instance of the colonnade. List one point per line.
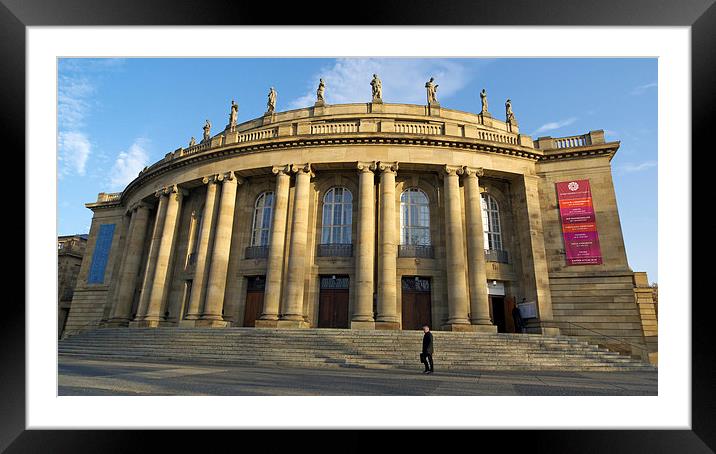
(283, 305)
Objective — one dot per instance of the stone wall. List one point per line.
(591, 301)
(91, 301)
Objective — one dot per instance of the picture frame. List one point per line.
(16, 15)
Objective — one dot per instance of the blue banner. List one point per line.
(100, 257)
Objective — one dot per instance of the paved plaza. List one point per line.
(90, 377)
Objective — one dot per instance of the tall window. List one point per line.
(414, 218)
(491, 223)
(197, 223)
(263, 212)
(337, 216)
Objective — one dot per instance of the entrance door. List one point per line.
(416, 306)
(333, 302)
(497, 304)
(254, 299)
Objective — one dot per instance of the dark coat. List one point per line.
(428, 343)
(517, 317)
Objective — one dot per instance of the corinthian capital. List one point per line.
(305, 168)
(281, 170)
(210, 179)
(452, 170)
(366, 166)
(388, 167)
(473, 171)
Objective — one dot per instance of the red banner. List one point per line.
(579, 227)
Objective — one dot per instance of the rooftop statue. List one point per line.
(510, 116)
(320, 91)
(377, 88)
(432, 91)
(483, 99)
(271, 104)
(192, 141)
(207, 130)
(234, 114)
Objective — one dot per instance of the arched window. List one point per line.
(337, 216)
(263, 212)
(491, 223)
(414, 218)
(198, 221)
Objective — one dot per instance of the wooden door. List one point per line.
(254, 300)
(254, 306)
(333, 308)
(415, 302)
(333, 302)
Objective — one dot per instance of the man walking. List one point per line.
(517, 318)
(427, 355)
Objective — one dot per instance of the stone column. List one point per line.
(477, 275)
(160, 283)
(216, 281)
(151, 265)
(277, 242)
(201, 270)
(535, 277)
(455, 251)
(387, 317)
(292, 307)
(130, 265)
(365, 249)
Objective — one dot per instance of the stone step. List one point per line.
(311, 357)
(345, 348)
(407, 365)
(303, 353)
(413, 345)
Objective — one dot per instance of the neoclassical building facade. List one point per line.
(363, 216)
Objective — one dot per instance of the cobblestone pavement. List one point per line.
(90, 377)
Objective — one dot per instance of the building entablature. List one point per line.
(343, 125)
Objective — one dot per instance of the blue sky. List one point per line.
(117, 115)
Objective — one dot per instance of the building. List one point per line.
(70, 250)
(367, 216)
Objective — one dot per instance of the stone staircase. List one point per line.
(346, 348)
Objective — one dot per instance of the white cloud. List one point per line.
(348, 80)
(553, 125)
(75, 92)
(73, 103)
(636, 167)
(128, 164)
(74, 149)
(642, 88)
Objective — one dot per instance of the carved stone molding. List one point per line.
(305, 168)
(137, 205)
(473, 171)
(210, 179)
(388, 167)
(453, 170)
(171, 189)
(366, 166)
(281, 170)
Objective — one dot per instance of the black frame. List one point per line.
(15, 15)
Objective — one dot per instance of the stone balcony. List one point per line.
(583, 140)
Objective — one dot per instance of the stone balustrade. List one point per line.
(573, 141)
(334, 128)
(496, 137)
(257, 135)
(397, 119)
(109, 197)
(582, 140)
(195, 149)
(418, 128)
